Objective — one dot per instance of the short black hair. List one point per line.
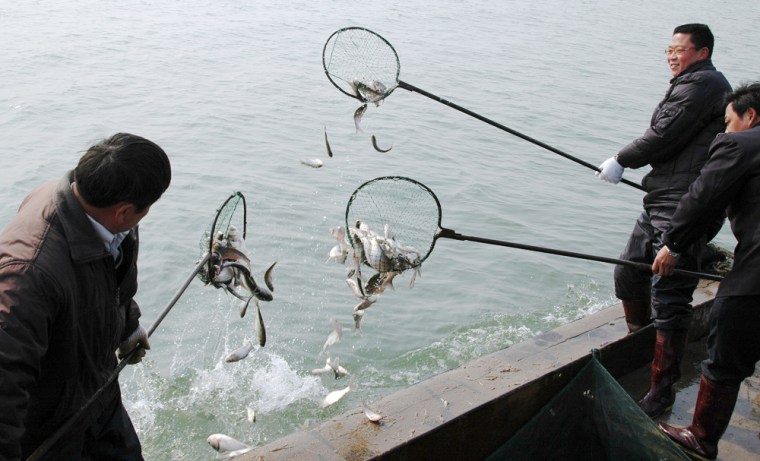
(701, 36)
(745, 96)
(123, 168)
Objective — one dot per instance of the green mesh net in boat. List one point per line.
(592, 418)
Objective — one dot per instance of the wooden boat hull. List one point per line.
(468, 412)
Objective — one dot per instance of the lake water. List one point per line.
(235, 92)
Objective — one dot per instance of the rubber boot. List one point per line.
(638, 314)
(715, 404)
(669, 349)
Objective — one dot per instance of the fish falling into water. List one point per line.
(261, 333)
(334, 336)
(331, 365)
(358, 117)
(314, 163)
(334, 396)
(377, 148)
(268, 277)
(227, 446)
(239, 353)
(327, 145)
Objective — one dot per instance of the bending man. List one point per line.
(68, 273)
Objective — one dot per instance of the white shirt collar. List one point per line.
(110, 240)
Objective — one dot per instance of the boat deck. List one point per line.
(468, 412)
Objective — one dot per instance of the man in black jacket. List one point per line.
(730, 180)
(68, 275)
(682, 127)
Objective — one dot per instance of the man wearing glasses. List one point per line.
(675, 145)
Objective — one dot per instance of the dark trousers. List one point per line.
(733, 344)
(670, 296)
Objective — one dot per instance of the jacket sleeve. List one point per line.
(678, 119)
(710, 194)
(27, 311)
(130, 306)
(132, 320)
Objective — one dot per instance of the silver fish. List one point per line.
(239, 353)
(268, 277)
(250, 283)
(358, 117)
(327, 145)
(336, 367)
(356, 288)
(335, 335)
(358, 316)
(314, 163)
(364, 304)
(377, 148)
(376, 284)
(222, 443)
(371, 415)
(374, 255)
(334, 396)
(261, 333)
(338, 253)
(325, 369)
(244, 306)
(373, 92)
(416, 272)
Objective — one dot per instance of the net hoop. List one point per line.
(361, 64)
(409, 208)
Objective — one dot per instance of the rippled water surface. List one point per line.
(236, 94)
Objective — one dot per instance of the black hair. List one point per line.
(701, 36)
(744, 97)
(123, 168)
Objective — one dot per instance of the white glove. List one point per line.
(612, 171)
(140, 335)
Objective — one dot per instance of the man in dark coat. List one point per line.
(730, 180)
(682, 127)
(68, 274)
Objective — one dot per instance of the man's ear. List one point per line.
(752, 116)
(703, 53)
(122, 212)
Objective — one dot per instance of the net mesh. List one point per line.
(355, 54)
(592, 418)
(224, 218)
(409, 209)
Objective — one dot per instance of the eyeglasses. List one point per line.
(678, 51)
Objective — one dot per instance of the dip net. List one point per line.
(361, 64)
(225, 217)
(592, 419)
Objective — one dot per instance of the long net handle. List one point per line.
(412, 88)
(448, 233)
(45, 446)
